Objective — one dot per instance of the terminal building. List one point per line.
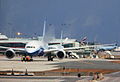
(13, 42)
(20, 42)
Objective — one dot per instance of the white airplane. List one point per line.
(106, 47)
(39, 48)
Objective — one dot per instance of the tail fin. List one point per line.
(44, 30)
(83, 40)
(61, 37)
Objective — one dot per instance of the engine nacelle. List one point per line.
(61, 54)
(10, 53)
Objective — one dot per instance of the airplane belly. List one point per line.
(33, 53)
(37, 53)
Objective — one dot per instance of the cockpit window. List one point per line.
(30, 47)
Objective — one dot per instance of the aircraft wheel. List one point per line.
(31, 59)
(51, 59)
(23, 59)
(48, 58)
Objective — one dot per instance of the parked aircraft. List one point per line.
(39, 48)
(106, 47)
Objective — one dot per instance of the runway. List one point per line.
(45, 79)
(57, 70)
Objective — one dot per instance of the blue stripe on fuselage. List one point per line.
(39, 52)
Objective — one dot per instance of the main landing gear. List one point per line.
(50, 58)
(26, 58)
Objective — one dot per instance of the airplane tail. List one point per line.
(44, 28)
(83, 40)
(61, 38)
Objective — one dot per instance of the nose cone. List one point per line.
(33, 46)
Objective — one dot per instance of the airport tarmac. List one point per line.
(39, 64)
(55, 71)
(45, 79)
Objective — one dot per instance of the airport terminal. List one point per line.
(59, 41)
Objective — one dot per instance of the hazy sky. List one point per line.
(99, 20)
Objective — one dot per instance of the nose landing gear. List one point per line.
(26, 58)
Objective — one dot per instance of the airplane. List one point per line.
(39, 48)
(106, 47)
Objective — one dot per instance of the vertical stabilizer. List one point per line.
(61, 37)
(44, 30)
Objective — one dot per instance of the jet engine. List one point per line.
(61, 54)
(10, 53)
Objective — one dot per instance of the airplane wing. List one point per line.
(11, 52)
(61, 53)
(65, 49)
(18, 49)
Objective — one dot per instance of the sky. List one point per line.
(98, 20)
